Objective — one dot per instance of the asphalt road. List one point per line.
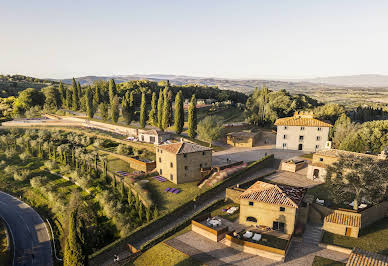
(29, 234)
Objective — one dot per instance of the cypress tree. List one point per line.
(131, 109)
(103, 107)
(122, 190)
(155, 214)
(73, 249)
(79, 90)
(192, 117)
(114, 181)
(130, 198)
(125, 108)
(97, 95)
(179, 118)
(148, 214)
(112, 90)
(166, 109)
(140, 212)
(75, 104)
(153, 113)
(89, 102)
(115, 111)
(61, 94)
(68, 99)
(143, 114)
(160, 110)
(137, 201)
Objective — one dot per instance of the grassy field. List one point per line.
(225, 215)
(164, 255)
(168, 201)
(373, 238)
(321, 261)
(5, 256)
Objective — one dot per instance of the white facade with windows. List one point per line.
(301, 132)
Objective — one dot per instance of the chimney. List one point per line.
(181, 140)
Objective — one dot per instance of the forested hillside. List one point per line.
(11, 85)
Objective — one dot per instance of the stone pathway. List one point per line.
(312, 234)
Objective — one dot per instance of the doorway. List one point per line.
(316, 174)
(278, 226)
(348, 231)
(300, 147)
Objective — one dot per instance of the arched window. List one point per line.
(316, 173)
(251, 219)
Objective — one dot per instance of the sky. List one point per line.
(214, 38)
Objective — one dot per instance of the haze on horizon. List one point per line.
(228, 39)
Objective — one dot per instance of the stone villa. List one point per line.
(270, 205)
(316, 170)
(182, 162)
(301, 132)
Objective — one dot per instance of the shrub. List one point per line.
(10, 153)
(51, 165)
(124, 149)
(24, 156)
(10, 169)
(38, 181)
(21, 175)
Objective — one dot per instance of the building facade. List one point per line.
(269, 205)
(243, 139)
(301, 132)
(182, 162)
(316, 170)
(152, 136)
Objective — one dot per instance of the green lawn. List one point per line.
(373, 238)
(168, 201)
(321, 261)
(219, 212)
(116, 164)
(164, 255)
(5, 256)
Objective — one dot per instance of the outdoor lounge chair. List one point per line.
(177, 191)
(248, 234)
(173, 190)
(167, 189)
(256, 237)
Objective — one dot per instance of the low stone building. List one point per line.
(316, 170)
(244, 139)
(343, 222)
(182, 162)
(301, 132)
(270, 205)
(153, 136)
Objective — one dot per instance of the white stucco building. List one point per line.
(301, 132)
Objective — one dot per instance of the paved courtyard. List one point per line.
(213, 253)
(252, 154)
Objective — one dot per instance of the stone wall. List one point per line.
(233, 194)
(374, 213)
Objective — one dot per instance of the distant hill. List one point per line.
(365, 80)
(241, 85)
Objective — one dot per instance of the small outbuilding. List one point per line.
(341, 222)
(153, 136)
(244, 139)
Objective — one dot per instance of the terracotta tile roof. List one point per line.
(275, 194)
(301, 120)
(344, 218)
(360, 257)
(183, 147)
(337, 153)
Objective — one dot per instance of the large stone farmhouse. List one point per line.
(270, 205)
(301, 132)
(182, 162)
(316, 170)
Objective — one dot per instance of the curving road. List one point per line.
(29, 233)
